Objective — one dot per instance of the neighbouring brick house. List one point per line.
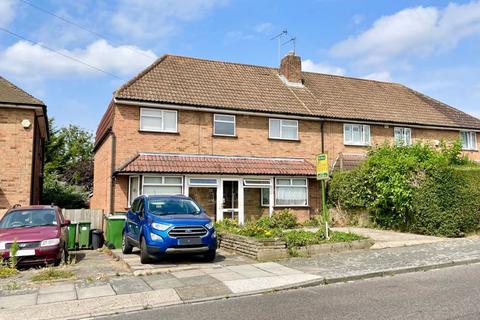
(242, 139)
(23, 130)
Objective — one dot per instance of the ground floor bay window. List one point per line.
(241, 198)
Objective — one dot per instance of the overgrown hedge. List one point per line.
(417, 188)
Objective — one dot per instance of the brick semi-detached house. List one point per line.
(23, 130)
(242, 139)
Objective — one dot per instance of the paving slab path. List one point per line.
(390, 239)
(73, 300)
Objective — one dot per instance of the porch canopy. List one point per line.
(228, 165)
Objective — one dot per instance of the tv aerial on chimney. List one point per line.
(278, 37)
(293, 40)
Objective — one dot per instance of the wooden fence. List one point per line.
(95, 216)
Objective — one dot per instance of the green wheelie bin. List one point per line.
(72, 235)
(84, 235)
(115, 225)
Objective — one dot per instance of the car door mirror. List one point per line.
(66, 223)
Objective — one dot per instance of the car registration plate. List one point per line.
(25, 253)
(189, 241)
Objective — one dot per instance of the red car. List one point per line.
(40, 231)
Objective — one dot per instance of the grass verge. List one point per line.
(52, 274)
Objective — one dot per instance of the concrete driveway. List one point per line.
(390, 239)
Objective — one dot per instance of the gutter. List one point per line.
(284, 116)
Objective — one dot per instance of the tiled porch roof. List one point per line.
(201, 164)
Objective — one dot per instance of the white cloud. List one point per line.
(32, 61)
(146, 19)
(7, 12)
(309, 65)
(264, 27)
(414, 31)
(379, 76)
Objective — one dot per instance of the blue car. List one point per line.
(160, 225)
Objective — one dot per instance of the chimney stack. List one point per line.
(291, 68)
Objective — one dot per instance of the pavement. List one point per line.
(390, 239)
(227, 277)
(451, 293)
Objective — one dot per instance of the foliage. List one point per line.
(447, 203)
(301, 238)
(338, 236)
(394, 178)
(315, 221)
(68, 172)
(7, 271)
(52, 274)
(13, 255)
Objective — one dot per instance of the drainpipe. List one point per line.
(322, 133)
(113, 178)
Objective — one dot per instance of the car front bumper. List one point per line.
(169, 245)
(43, 255)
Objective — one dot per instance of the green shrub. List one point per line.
(338, 236)
(284, 219)
(315, 221)
(301, 238)
(391, 182)
(447, 203)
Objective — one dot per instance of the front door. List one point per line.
(232, 199)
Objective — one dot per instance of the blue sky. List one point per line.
(431, 46)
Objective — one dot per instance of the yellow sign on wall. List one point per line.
(322, 167)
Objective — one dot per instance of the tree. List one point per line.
(68, 171)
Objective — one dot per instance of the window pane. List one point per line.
(265, 197)
(291, 196)
(289, 132)
(224, 128)
(290, 123)
(222, 117)
(152, 180)
(299, 182)
(283, 182)
(173, 180)
(398, 135)
(161, 190)
(408, 136)
(464, 138)
(356, 134)
(348, 133)
(250, 182)
(170, 121)
(134, 191)
(195, 181)
(150, 123)
(151, 112)
(274, 128)
(366, 135)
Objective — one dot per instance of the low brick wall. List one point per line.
(272, 249)
(316, 249)
(259, 249)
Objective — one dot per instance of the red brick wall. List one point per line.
(101, 176)
(16, 145)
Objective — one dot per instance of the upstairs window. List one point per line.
(158, 120)
(403, 136)
(283, 129)
(224, 125)
(469, 140)
(356, 134)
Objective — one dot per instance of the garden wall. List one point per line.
(259, 249)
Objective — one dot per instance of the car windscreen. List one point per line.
(172, 206)
(29, 218)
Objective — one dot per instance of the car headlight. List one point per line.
(2, 245)
(209, 225)
(50, 242)
(155, 237)
(160, 226)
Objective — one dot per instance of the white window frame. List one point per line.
(363, 128)
(225, 121)
(129, 204)
(403, 133)
(162, 184)
(471, 140)
(291, 186)
(162, 116)
(281, 129)
(256, 183)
